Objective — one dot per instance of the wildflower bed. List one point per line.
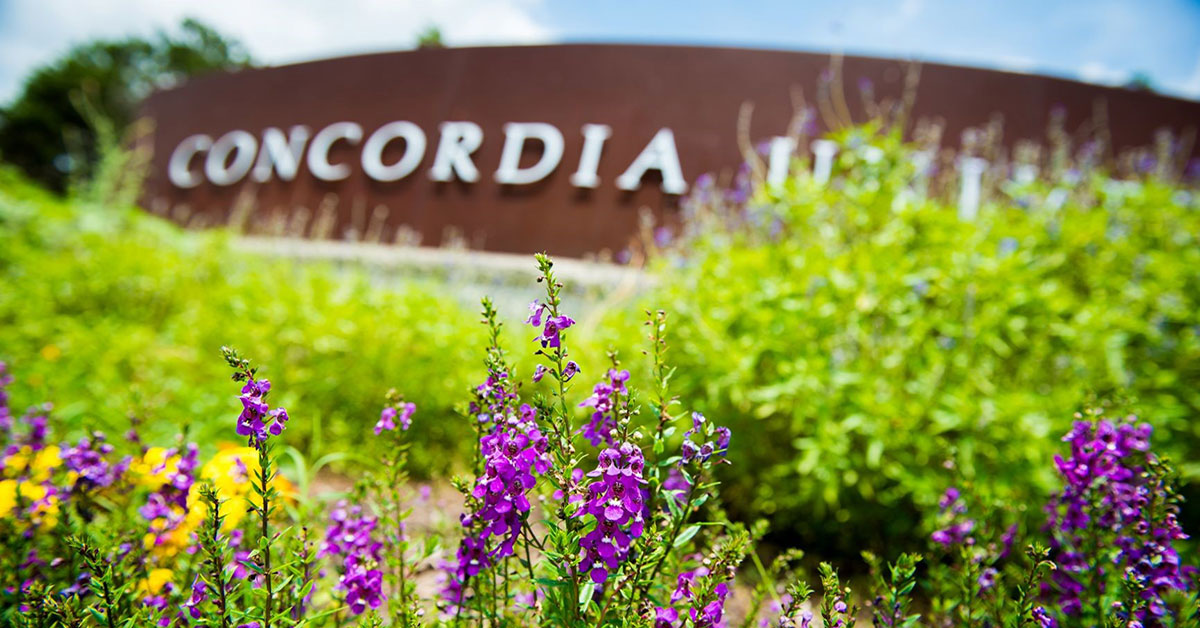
(610, 521)
(858, 327)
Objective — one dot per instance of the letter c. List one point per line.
(178, 170)
(318, 151)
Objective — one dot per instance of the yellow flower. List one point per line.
(44, 511)
(155, 580)
(230, 472)
(17, 462)
(8, 497)
(45, 462)
(169, 535)
(153, 469)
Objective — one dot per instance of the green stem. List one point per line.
(216, 564)
(264, 468)
(400, 542)
(528, 556)
(683, 517)
(108, 614)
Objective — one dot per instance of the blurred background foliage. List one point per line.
(859, 335)
(49, 130)
(108, 313)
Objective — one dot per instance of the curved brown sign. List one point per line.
(523, 149)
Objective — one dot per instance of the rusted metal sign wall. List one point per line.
(523, 149)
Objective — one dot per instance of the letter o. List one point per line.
(414, 151)
(243, 146)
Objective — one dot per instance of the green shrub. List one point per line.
(112, 312)
(861, 334)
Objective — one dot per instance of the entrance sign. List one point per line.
(556, 148)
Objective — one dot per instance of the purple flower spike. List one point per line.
(514, 452)
(387, 418)
(616, 501)
(349, 540)
(1109, 486)
(701, 452)
(604, 400)
(257, 421)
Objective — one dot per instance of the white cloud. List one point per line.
(1190, 86)
(1016, 63)
(275, 31)
(1102, 74)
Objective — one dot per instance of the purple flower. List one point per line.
(535, 314)
(166, 508)
(615, 501)
(955, 533)
(1043, 618)
(257, 421)
(35, 420)
(723, 436)
(493, 398)
(554, 325)
(949, 498)
(777, 607)
(528, 601)
(676, 486)
(538, 373)
(1108, 488)
(987, 578)
(387, 418)
(88, 460)
(570, 370)
(199, 595)
(349, 539)
(665, 617)
(1010, 537)
(406, 413)
(513, 450)
(706, 615)
(692, 451)
(604, 400)
(279, 417)
(363, 583)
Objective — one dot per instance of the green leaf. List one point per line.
(585, 595)
(686, 535)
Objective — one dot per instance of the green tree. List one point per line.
(431, 37)
(49, 130)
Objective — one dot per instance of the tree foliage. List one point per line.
(49, 130)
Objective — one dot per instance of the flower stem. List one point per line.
(264, 477)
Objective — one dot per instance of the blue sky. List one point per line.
(1098, 40)
(1103, 41)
